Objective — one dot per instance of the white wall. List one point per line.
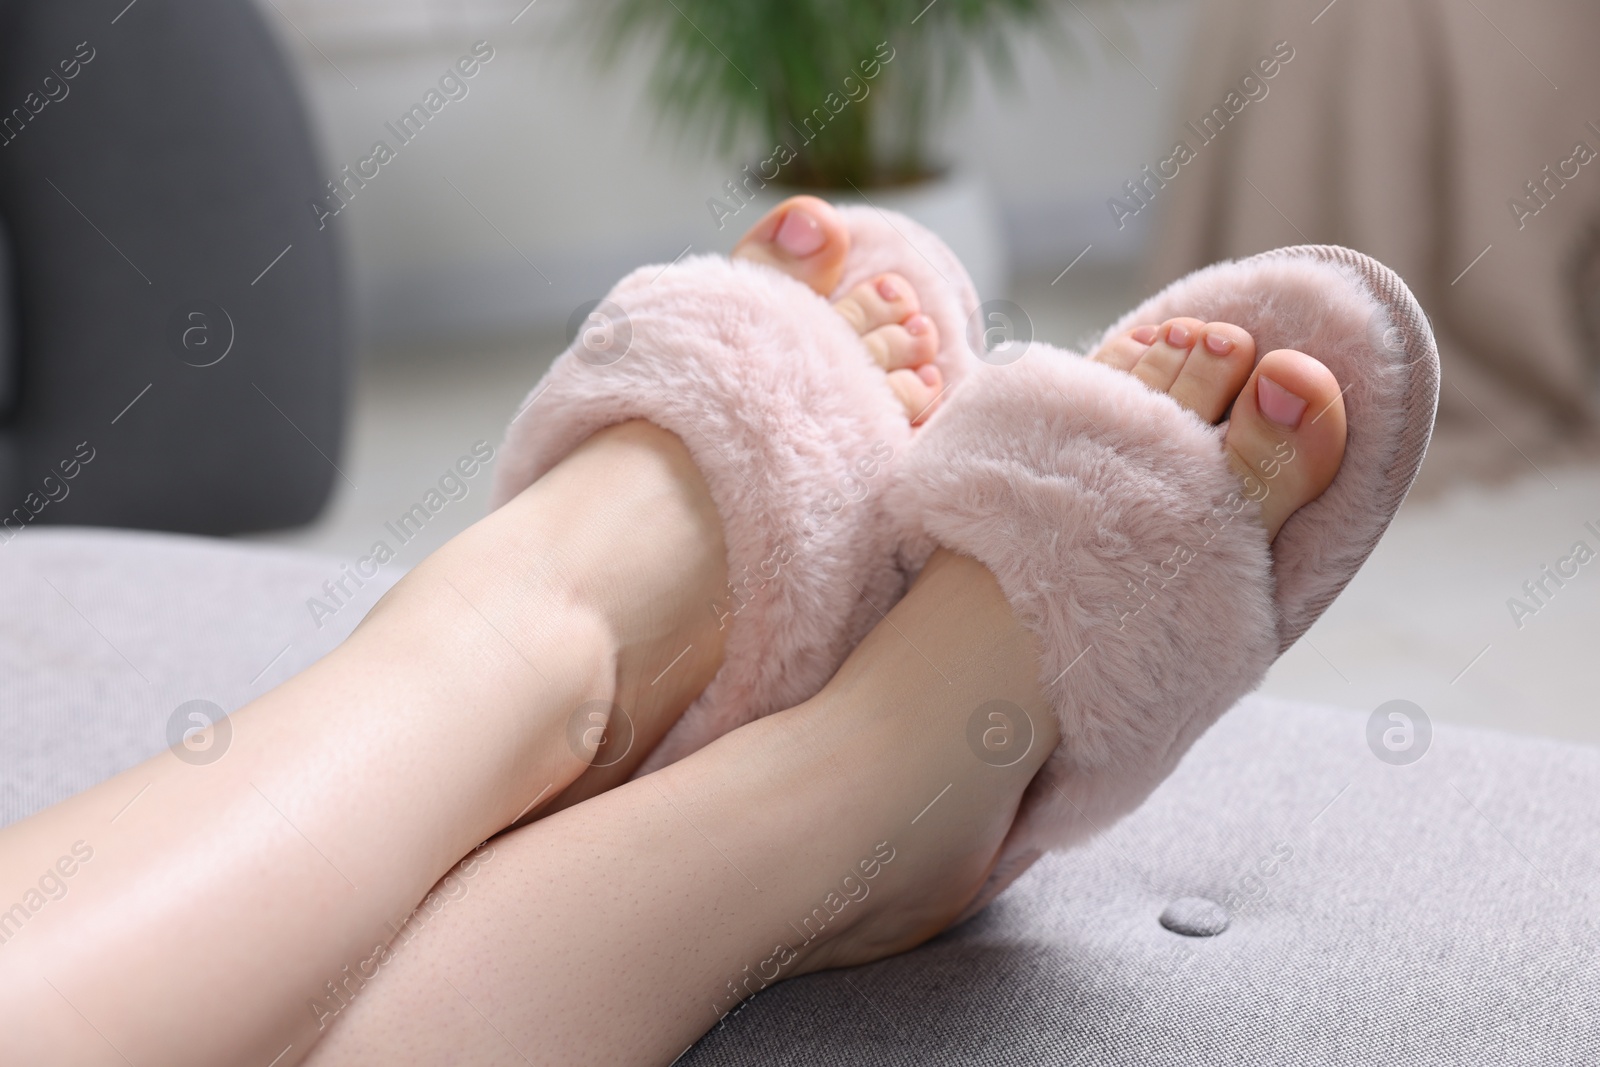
(574, 167)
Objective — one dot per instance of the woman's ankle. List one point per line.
(627, 528)
(590, 592)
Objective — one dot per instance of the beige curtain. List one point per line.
(1411, 130)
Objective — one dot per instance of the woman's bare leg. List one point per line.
(618, 931)
(220, 899)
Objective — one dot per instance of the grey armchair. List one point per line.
(172, 335)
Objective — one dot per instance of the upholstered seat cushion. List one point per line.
(1440, 912)
(104, 634)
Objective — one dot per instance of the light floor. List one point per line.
(1427, 620)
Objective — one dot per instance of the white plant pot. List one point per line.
(957, 206)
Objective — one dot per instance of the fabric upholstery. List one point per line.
(1437, 913)
(104, 634)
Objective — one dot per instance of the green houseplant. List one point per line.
(845, 92)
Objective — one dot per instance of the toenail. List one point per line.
(799, 234)
(888, 289)
(1145, 335)
(918, 325)
(1178, 336)
(1218, 344)
(930, 375)
(1278, 404)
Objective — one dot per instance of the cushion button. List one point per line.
(1195, 917)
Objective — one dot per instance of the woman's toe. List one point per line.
(1286, 435)
(1161, 363)
(1215, 371)
(804, 237)
(886, 300)
(1124, 350)
(910, 344)
(918, 390)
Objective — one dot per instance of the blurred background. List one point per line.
(1077, 155)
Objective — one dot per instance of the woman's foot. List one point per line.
(1286, 439)
(1286, 424)
(805, 238)
(660, 614)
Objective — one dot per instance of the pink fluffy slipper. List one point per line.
(793, 427)
(1125, 542)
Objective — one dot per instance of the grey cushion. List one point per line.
(1437, 913)
(105, 634)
